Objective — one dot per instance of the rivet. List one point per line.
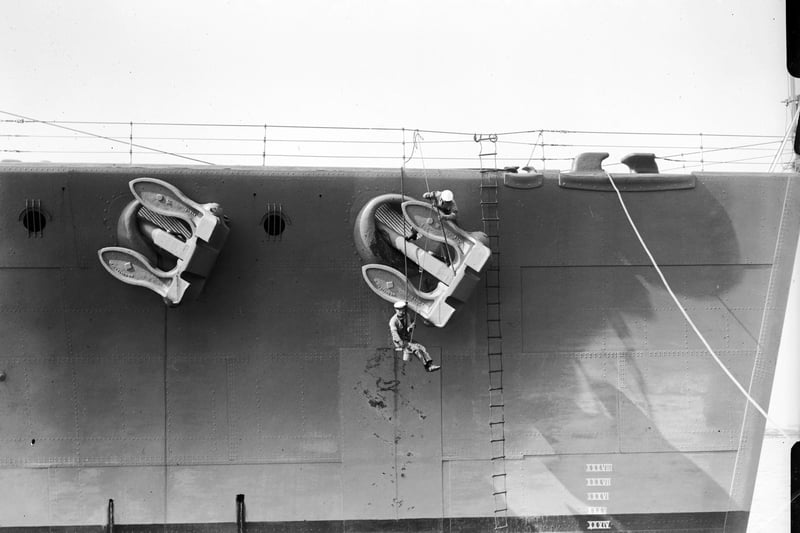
(2, 376)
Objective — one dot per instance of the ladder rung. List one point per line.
(499, 492)
(499, 475)
(490, 219)
(486, 155)
(495, 388)
(496, 423)
(495, 371)
(498, 457)
(501, 510)
(492, 405)
(488, 185)
(497, 440)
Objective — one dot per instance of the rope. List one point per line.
(686, 315)
(538, 139)
(417, 144)
(403, 194)
(438, 214)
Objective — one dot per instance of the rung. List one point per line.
(495, 388)
(489, 185)
(501, 511)
(495, 371)
(493, 202)
(498, 457)
(499, 475)
(494, 336)
(490, 219)
(493, 405)
(497, 440)
(487, 155)
(496, 423)
(499, 492)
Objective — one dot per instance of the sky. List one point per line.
(500, 65)
(678, 65)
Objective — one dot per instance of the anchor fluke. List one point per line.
(164, 199)
(131, 267)
(392, 286)
(164, 220)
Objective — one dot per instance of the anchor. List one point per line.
(182, 231)
(456, 266)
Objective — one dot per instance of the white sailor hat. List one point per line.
(447, 195)
(400, 305)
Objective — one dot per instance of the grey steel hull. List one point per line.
(278, 382)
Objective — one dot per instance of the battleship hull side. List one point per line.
(278, 381)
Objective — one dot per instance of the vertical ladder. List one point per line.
(490, 215)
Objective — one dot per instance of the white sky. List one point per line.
(628, 65)
(640, 65)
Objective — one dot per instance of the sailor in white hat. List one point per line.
(402, 328)
(445, 202)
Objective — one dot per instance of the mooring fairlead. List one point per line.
(172, 242)
(382, 229)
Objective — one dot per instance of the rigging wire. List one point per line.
(535, 144)
(455, 138)
(363, 128)
(90, 134)
(785, 138)
(685, 314)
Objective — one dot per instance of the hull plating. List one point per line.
(279, 382)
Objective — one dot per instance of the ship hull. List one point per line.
(279, 382)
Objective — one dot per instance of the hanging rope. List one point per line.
(403, 194)
(417, 137)
(686, 315)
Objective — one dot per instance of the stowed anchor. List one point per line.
(163, 218)
(456, 267)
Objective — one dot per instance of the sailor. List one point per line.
(444, 202)
(401, 329)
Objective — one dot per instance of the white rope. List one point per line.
(686, 315)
